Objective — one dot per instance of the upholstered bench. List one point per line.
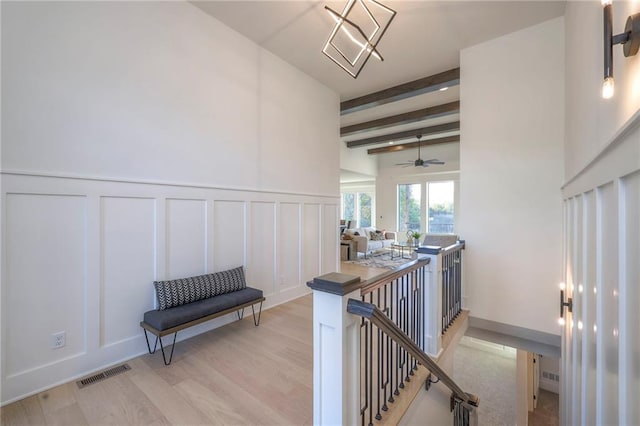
(185, 302)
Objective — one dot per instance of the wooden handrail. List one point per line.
(377, 317)
(385, 278)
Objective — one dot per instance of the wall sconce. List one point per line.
(629, 39)
(357, 32)
(568, 303)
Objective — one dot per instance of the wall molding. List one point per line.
(621, 136)
(14, 172)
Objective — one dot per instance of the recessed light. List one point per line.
(442, 89)
(390, 143)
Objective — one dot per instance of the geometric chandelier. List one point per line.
(357, 32)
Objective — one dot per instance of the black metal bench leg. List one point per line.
(240, 314)
(256, 323)
(173, 346)
(149, 346)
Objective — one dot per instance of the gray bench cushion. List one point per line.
(181, 291)
(164, 319)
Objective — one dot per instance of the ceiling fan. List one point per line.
(420, 162)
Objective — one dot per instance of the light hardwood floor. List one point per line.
(236, 374)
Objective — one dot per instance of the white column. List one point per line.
(336, 351)
(433, 301)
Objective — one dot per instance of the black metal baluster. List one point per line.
(405, 321)
(380, 361)
(447, 258)
(386, 352)
(393, 347)
(459, 280)
(443, 320)
(370, 369)
(363, 334)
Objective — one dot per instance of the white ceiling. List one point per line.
(424, 38)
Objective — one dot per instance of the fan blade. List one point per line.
(434, 161)
(406, 163)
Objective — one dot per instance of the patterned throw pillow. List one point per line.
(188, 290)
(376, 236)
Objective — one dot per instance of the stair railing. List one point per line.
(359, 367)
(383, 323)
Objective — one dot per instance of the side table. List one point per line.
(348, 250)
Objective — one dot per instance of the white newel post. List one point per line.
(433, 300)
(336, 350)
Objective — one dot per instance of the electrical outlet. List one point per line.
(58, 340)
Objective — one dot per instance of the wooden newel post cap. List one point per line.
(335, 283)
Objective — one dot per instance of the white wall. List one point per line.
(592, 121)
(145, 141)
(511, 163)
(600, 366)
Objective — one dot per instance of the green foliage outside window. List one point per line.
(409, 211)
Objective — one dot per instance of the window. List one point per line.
(440, 196)
(358, 207)
(409, 210)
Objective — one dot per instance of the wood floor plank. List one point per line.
(169, 402)
(14, 414)
(275, 383)
(209, 403)
(67, 415)
(253, 409)
(117, 401)
(33, 410)
(57, 398)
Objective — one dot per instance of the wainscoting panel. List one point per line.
(311, 237)
(261, 268)
(607, 305)
(589, 313)
(186, 238)
(330, 235)
(80, 256)
(45, 289)
(289, 253)
(127, 233)
(601, 343)
(577, 259)
(630, 298)
(229, 225)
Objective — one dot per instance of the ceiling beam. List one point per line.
(405, 118)
(402, 91)
(425, 131)
(405, 146)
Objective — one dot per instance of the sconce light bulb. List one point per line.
(561, 321)
(562, 286)
(580, 325)
(606, 2)
(580, 288)
(608, 88)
